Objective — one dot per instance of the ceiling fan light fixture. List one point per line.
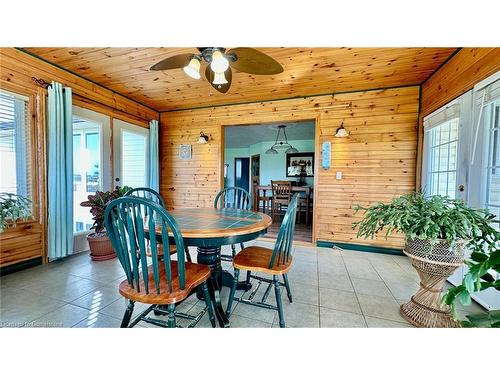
(219, 63)
(219, 79)
(193, 68)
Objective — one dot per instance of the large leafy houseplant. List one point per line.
(99, 243)
(13, 208)
(441, 218)
(97, 203)
(427, 218)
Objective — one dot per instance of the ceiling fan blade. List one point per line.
(209, 74)
(249, 60)
(173, 62)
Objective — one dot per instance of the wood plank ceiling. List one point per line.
(307, 71)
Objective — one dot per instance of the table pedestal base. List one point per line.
(425, 308)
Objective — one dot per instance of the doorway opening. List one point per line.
(259, 156)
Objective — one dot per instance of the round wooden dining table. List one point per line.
(208, 229)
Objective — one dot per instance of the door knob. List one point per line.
(461, 188)
(117, 179)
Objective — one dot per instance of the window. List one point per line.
(441, 147)
(78, 226)
(443, 158)
(134, 158)
(15, 145)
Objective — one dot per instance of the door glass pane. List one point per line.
(86, 169)
(493, 168)
(133, 152)
(443, 151)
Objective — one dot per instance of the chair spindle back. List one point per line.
(146, 193)
(233, 197)
(281, 252)
(282, 189)
(125, 222)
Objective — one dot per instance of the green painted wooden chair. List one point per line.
(153, 195)
(274, 262)
(237, 198)
(165, 282)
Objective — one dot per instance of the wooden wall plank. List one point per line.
(18, 67)
(378, 160)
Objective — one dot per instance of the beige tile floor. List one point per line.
(330, 287)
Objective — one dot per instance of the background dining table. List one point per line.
(306, 190)
(208, 229)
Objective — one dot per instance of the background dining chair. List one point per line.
(273, 262)
(261, 196)
(282, 193)
(153, 195)
(165, 282)
(237, 198)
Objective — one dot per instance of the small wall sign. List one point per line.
(185, 152)
(326, 154)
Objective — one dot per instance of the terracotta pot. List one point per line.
(100, 247)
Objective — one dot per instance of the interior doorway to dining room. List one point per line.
(275, 157)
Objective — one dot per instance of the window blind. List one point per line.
(15, 144)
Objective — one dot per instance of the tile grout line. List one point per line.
(354, 290)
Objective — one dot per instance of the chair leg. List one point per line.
(171, 316)
(188, 256)
(208, 303)
(287, 286)
(233, 250)
(249, 273)
(278, 301)
(242, 246)
(128, 314)
(233, 291)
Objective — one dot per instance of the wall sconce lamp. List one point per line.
(341, 132)
(203, 138)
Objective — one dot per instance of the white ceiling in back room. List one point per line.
(241, 136)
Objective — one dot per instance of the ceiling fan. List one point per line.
(218, 71)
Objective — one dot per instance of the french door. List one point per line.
(91, 167)
(130, 154)
(95, 138)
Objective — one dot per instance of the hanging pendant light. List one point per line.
(289, 149)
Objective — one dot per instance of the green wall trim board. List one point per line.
(364, 248)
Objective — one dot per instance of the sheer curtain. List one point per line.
(154, 160)
(60, 172)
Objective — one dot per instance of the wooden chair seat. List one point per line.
(256, 258)
(195, 275)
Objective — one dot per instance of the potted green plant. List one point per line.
(484, 258)
(437, 230)
(99, 243)
(13, 209)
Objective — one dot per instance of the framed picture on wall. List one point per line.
(300, 164)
